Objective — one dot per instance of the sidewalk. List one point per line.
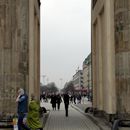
(75, 120)
(100, 122)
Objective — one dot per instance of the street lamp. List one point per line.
(43, 76)
(61, 81)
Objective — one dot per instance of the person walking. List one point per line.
(53, 101)
(66, 103)
(22, 100)
(74, 96)
(71, 99)
(58, 101)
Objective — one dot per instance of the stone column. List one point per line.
(31, 47)
(109, 60)
(100, 42)
(34, 48)
(94, 64)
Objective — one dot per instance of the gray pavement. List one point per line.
(75, 120)
(100, 122)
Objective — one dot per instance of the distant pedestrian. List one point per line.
(71, 98)
(53, 101)
(74, 96)
(22, 100)
(66, 102)
(58, 101)
(79, 98)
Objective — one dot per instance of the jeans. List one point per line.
(22, 126)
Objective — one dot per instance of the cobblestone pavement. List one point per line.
(75, 120)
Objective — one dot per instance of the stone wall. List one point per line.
(122, 50)
(103, 56)
(111, 56)
(15, 51)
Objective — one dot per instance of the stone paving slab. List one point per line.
(75, 120)
(103, 124)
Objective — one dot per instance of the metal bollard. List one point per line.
(116, 124)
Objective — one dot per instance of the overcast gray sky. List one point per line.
(65, 38)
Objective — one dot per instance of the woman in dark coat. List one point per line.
(53, 101)
(59, 100)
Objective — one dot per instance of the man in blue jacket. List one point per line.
(22, 110)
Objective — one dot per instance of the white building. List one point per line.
(78, 80)
(87, 82)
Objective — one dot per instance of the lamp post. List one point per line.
(43, 76)
(61, 81)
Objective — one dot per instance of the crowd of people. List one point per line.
(29, 116)
(56, 99)
(74, 98)
(68, 98)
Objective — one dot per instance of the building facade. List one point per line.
(111, 56)
(89, 65)
(19, 50)
(85, 74)
(78, 80)
(87, 82)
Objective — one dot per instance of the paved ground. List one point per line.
(75, 120)
(101, 122)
